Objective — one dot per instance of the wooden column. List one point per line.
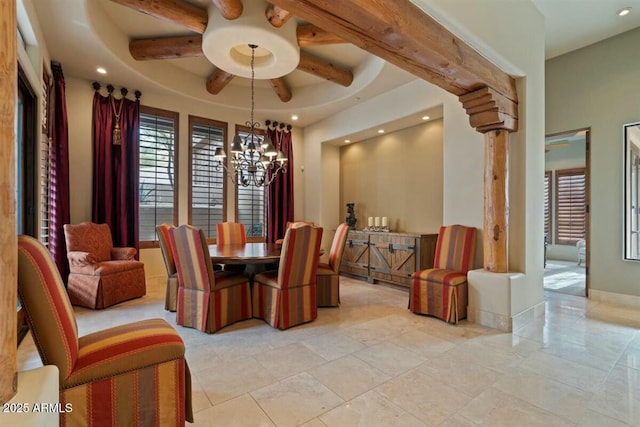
(495, 116)
(496, 203)
(8, 239)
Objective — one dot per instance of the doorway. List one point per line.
(566, 212)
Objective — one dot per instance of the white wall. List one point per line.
(597, 87)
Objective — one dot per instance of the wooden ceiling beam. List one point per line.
(166, 48)
(218, 80)
(312, 35)
(281, 88)
(325, 70)
(177, 11)
(402, 34)
(277, 16)
(229, 9)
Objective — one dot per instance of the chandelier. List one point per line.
(252, 162)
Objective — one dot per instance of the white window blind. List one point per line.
(250, 203)
(570, 206)
(157, 187)
(45, 189)
(207, 201)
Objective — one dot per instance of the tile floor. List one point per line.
(373, 363)
(566, 277)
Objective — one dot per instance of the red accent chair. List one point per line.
(100, 275)
(442, 291)
(207, 300)
(171, 295)
(130, 373)
(328, 275)
(287, 297)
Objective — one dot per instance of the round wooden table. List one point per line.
(248, 253)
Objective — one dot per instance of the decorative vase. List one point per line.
(351, 216)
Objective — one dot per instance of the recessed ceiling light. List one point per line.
(624, 11)
(346, 141)
(425, 117)
(380, 130)
(294, 117)
(101, 70)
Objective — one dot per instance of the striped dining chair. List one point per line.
(131, 373)
(287, 297)
(208, 300)
(171, 294)
(230, 233)
(328, 275)
(442, 291)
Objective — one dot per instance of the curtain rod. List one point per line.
(275, 124)
(123, 91)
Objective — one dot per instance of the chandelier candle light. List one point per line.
(252, 162)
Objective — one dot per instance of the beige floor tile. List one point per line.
(231, 378)
(390, 358)
(333, 345)
(289, 360)
(562, 400)
(495, 408)
(314, 423)
(296, 400)
(596, 419)
(423, 396)
(349, 376)
(471, 379)
(619, 396)
(242, 411)
(370, 410)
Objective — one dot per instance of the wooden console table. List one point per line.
(387, 257)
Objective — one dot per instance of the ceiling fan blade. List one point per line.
(326, 70)
(218, 80)
(229, 9)
(177, 11)
(166, 48)
(312, 35)
(277, 16)
(281, 88)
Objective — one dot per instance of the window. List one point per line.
(207, 181)
(26, 149)
(250, 206)
(632, 191)
(547, 205)
(157, 189)
(570, 206)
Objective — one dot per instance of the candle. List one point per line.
(377, 221)
(370, 222)
(385, 221)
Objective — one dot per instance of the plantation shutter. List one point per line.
(570, 206)
(157, 188)
(207, 190)
(547, 205)
(45, 189)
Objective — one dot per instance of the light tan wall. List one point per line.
(397, 175)
(597, 87)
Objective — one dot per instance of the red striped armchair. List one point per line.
(171, 296)
(130, 373)
(328, 275)
(207, 300)
(287, 297)
(442, 291)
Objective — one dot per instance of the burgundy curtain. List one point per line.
(280, 193)
(59, 172)
(115, 166)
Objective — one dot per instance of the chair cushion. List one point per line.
(325, 270)
(108, 267)
(440, 275)
(89, 237)
(124, 349)
(269, 278)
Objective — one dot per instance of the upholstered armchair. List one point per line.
(171, 295)
(442, 291)
(130, 374)
(100, 275)
(208, 300)
(287, 297)
(328, 275)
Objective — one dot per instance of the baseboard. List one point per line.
(614, 298)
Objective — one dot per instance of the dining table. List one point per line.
(245, 253)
